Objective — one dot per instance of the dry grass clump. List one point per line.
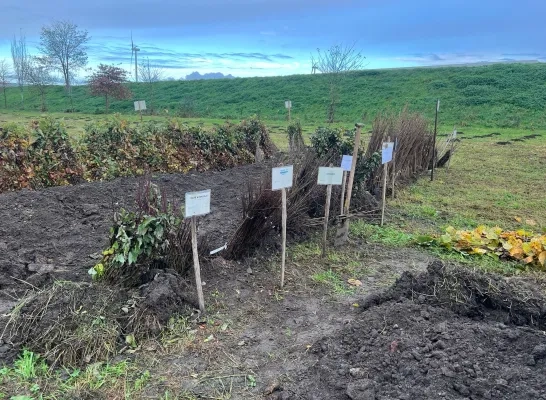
(262, 207)
(415, 143)
(68, 324)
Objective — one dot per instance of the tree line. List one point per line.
(63, 49)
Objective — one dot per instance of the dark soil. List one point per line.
(418, 341)
(57, 233)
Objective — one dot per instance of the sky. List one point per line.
(267, 38)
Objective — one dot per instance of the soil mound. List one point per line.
(444, 334)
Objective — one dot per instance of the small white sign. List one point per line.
(454, 135)
(281, 177)
(386, 152)
(347, 163)
(140, 105)
(330, 175)
(288, 104)
(438, 106)
(197, 203)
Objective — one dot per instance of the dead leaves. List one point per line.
(354, 282)
(520, 245)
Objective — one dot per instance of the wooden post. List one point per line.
(343, 184)
(140, 112)
(385, 172)
(394, 165)
(345, 229)
(289, 114)
(283, 236)
(453, 136)
(196, 266)
(434, 141)
(326, 217)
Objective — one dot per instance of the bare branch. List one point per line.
(336, 62)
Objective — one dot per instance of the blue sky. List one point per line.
(264, 38)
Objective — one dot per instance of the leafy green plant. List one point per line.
(29, 365)
(138, 237)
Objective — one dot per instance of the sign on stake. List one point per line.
(140, 106)
(386, 157)
(288, 106)
(197, 203)
(342, 234)
(281, 179)
(328, 176)
(394, 150)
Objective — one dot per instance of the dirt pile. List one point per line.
(444, 334)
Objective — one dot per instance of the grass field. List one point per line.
(505, 95)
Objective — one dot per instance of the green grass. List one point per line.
(486, 183)
(505, 95)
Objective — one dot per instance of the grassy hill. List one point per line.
(504, 95)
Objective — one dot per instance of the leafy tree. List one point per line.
(40, 77)
(4, 78)
(150, 74)
(336, 62)
(20, 59)
(66, 44)
(109, 81)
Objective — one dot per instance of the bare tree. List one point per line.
(20, 58)
(4, 78)
(336, 62)
(66, 44)
(40, 77)
(150, 74)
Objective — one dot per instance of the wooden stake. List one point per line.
(343, 184)
(326, 217)
(289, 114)
(196, 267)
(451, 150)
(385, 172)
(434, 141)
(283, 236)
(393, 168)
(140, 112)
(343, 233)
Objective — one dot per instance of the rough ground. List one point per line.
(51, 234)
(407, 341)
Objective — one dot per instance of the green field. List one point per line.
(504, 95)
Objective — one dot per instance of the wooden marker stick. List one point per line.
(343, 184)
(196, 266)
(385, 173)
(393, 169)
(283, 236)
(434, 141)
(326, 218)
(350, 184)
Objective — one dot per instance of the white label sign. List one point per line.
(330, 175)
(347, 163)
(140, 105)
(288, 104)
(438, 106)
(386, 152)
(454, 136)
(281, 177)
(197, 203)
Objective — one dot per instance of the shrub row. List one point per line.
(44, 155)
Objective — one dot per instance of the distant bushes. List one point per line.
(39, 156)
(43, 155)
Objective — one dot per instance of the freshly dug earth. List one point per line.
(54, 233)
(420, 340)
